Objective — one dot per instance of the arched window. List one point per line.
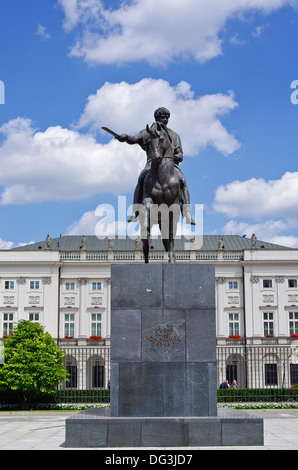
(72, 369)
(96, 372)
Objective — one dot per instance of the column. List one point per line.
(21, 295)
(220, 320)
(50, 305)
(254, 319)
(82, 308)
(108, 308)
(282, 316)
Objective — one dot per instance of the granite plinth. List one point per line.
(163, 340)
(163, 366)
(96, 428)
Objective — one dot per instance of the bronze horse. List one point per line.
(161, 193)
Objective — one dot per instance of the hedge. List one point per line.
(60, 396)
(83, 396)
(240, 395)
(257, 394)
(12, 397)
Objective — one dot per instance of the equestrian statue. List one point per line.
(161, 193)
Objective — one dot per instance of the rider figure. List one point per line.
(161, 115)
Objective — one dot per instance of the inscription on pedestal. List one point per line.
(163, 337)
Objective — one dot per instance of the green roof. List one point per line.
(210, 242)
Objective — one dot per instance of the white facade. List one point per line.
(85, 293)
(264, 296)
(70, 292)
(29, 286)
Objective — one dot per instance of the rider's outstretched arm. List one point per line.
(132, 139)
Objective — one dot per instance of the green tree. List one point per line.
(33, 362)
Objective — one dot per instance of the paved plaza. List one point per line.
(46, 431)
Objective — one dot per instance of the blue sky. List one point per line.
(224, 68)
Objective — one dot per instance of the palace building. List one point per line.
(64, 284)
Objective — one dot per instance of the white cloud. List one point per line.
(71, 13)
(41, 31)
(259, 198)
(60, 163)
(269, 231)
(235, 41)
(85, 225)
(5, 245)
(258, 32)
(285, 240)
(271, 204)
(155, 31)
(123, 107)
(81, 11)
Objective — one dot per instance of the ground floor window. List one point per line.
(73, 376)
(97, 375)
(231, 373)
(7, 323)
(294, 374)
(271, 374)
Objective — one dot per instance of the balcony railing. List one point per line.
(154, 256)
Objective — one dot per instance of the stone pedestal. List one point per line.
(163, 341)
(163, 365)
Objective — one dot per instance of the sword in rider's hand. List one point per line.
(111, 132)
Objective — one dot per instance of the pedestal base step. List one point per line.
(95, 428)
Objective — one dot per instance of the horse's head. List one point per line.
(159, 141)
